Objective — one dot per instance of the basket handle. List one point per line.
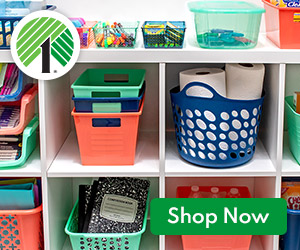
(215, 95)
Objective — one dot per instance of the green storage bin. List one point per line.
(121, 241)
(293, 121)
(28, 145)
(109, 83)
(226, 24)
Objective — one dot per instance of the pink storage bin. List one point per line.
(22, 229)
(215, 242)
(27, 111)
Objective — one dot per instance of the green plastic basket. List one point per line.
(28, 145)
(109, 83)
(115, 241)
(293, 121)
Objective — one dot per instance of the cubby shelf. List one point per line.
(32, 167)
(67, 162)
(260, 165)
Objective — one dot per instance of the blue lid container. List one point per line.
(291, 240)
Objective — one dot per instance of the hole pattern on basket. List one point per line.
(225, 136)
(9, 232)
(104, 243)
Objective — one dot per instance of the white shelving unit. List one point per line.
(57, 160)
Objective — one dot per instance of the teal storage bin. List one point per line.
(109, 83)
(28, 145)
(226, 24)
(117, 241)
(293, 122)
(17, 197)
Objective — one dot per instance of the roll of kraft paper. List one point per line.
(214, 77)
(244, 80)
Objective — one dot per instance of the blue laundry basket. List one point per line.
(291, 240)
(215, 132)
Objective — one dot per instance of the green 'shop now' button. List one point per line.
(243, 216)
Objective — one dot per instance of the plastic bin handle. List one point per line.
(30, 94)
(215, 95)
(31, 127)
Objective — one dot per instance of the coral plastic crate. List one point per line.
(22, 229)
(109, 83)
(7, 25)
(107, 138)
(124, 241)
(27, 111)
(28, 145)
(283, 25)
(215, 242)
(226, 24)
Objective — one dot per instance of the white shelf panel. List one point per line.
(264, 52)
(260, 165)
(290, 167)
(32, 167)
(148, 241)
(67, 163)
(5, 56)
(174, 243)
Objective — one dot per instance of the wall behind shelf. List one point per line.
(131, 10)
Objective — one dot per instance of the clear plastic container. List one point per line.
(226, 24)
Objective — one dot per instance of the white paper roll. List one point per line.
(212, 76)
(244, 80)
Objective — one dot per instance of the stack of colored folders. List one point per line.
(21, 213)
(17, 122)
(108, 103)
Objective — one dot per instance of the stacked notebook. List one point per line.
(113, 205)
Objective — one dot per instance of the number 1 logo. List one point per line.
(45, 45)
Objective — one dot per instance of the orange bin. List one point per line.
(22, 229)
(283, 25)
(215, 242)
(107, 138)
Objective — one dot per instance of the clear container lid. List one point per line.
(227, 7)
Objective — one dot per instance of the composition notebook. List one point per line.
(119, 206)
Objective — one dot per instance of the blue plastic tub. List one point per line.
(23, 86)
(109, 105)
(291, 240)
(7, 25)
(215, 132)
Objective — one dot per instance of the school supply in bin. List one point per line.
(115, 34)
(226, 24)
(10, 147)
(115, 218)
(85, 31)
(286, 3)
(195, 242)
(163, 34)
(297, 102)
